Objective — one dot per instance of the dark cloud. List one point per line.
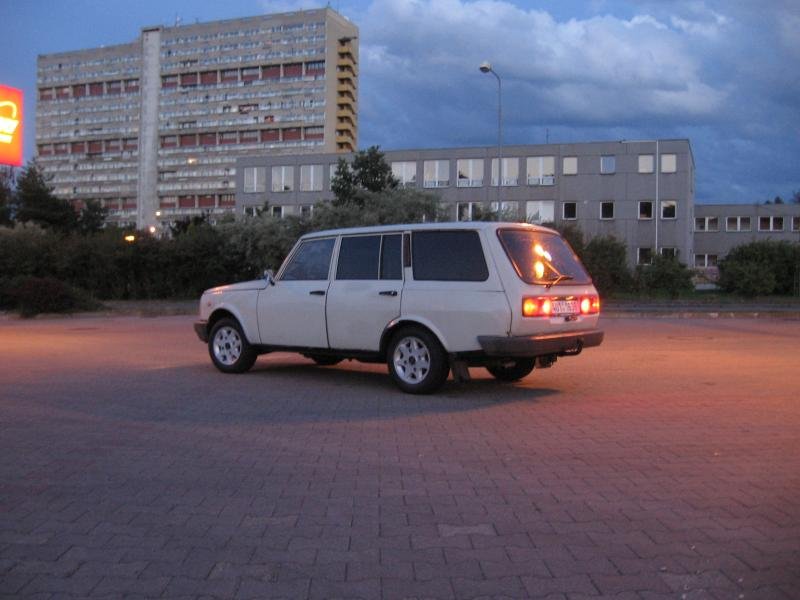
(720, 73)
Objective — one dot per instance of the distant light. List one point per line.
(152, 229)
(130, 238)
(158, 213)
(191, 160)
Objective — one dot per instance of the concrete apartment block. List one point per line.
(152, 129)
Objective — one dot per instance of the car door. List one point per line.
(292, 311)
(365, 291)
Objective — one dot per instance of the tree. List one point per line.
(796, 197)
(6, 195)
(92, 217)
(369, 173)
(37, 203)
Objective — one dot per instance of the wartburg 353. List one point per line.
(425, 299)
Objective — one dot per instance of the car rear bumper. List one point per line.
(201, 329)
(560, 344)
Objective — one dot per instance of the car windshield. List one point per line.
(542, 257)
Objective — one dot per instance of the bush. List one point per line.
(665, 276)
(34, 295)
(760, 268)
(605, 259)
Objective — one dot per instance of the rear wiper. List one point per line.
(558, 280)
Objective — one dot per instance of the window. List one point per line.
(469, 211)
(706, 224)
(542, 257)
(448, 256)
(669, 163)
(669, 209)
(540, 211)
(505, 211)
(646, 163)
(332, 173)
(608, 165)
(470, 172)
(392, 257)
(770, 224)
(569, 165)
(795, 223)
(358, 257)
(607, 210)
(702, 261)
(437, 173)
(310, 262)
(276, 211)
(510, 171)
(645, 209)
(255, 180)
(668, 252)
(737, 224)
(311, 178)
(644, 256)
(370, 257)
(306, 210)
(541, 170)
(405, 172)
(569, 210)
(282, 179)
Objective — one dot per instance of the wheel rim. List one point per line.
(411, 360)
(227, 345)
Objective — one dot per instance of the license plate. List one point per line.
(566, 307)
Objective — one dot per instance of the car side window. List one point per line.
(311, 261)
(358, 257)
(448, 256)
(391, 257)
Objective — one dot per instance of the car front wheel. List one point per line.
(417, 361)
(229, 349)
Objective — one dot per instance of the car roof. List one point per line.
(462, 225)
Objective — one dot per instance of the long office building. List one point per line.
(641, 192)
(152, 129)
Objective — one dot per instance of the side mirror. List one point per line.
(269, 276)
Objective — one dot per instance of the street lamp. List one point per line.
(486, 67)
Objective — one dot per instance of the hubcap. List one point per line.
(227, 345)
(411, 360)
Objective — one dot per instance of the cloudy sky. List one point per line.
(723, 73)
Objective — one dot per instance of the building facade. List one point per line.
(641, 192)
(718, 228)
(152, 129)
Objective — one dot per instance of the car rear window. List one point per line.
(542, 257)
(448, 256)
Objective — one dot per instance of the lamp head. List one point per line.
(485, 67)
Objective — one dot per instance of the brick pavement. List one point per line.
(665, 464)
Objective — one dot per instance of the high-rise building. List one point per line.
(152, 129)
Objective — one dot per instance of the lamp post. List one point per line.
(486, 67)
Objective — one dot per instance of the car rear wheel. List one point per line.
(417, 361)
(229, 349)
(512, 370)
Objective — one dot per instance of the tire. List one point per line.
(228, 347)
(512, 370)
(417, 361)
(323, 360)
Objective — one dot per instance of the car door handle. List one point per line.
(388, 293)
(317, 292)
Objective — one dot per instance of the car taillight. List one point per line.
(547, 306)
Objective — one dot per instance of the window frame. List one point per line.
(603, 204)
(258, 185)
(315, 184)
(667, 204)
(542, 179)
(648, 158)
(437, 181)
(283, 170)
(666, 167)
(469, 167)
(573, 160)
(564, 216)
(606, 161)
(651, 203)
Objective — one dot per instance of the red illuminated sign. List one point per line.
(10, 126)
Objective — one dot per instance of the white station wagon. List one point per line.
(424, 298)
